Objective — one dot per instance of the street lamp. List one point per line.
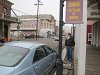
(37, 16)
(61, 23)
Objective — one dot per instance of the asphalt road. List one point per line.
(50, 42)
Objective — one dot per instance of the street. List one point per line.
(40, 21)
(51, 42)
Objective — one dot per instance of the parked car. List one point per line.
(27, 36)
(32, 36)
(26, 58)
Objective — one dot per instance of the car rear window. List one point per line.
(11, 55)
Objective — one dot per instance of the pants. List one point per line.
(69, 53)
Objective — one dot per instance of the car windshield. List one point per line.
(11, 55)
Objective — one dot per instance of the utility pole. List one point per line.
(59, 59)
(37, 17)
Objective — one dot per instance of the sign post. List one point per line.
(18, 27)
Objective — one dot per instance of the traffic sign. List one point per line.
(18, 27)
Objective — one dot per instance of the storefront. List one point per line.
(93, 25)
(6, 19)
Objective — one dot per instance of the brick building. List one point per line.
(5, 18)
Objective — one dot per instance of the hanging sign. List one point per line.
(74, 12)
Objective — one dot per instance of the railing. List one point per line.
(8, 18)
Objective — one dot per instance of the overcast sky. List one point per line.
(27, 6)
(48, 7)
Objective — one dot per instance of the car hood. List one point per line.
(6, 70)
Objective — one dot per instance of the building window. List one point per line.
(5, 11)
(44, 25)
(50, 26)
(47, 26)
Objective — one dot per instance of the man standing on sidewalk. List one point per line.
(69, 43)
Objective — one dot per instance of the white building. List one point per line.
(46, 23)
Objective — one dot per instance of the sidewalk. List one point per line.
(92, 61)
(67, 66)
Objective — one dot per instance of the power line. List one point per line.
(21, 12)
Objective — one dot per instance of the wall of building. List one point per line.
(5, 11)
(27, 27)
(1, 8)
(94, 15)
(45, 23)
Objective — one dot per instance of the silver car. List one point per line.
(26, 58)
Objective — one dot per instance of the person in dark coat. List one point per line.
(69, 43)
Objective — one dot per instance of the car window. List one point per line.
(39, 54)
(36, 57)
(48, 50)
(11, 55)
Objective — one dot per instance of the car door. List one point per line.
(40, 61)
(51, 55)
